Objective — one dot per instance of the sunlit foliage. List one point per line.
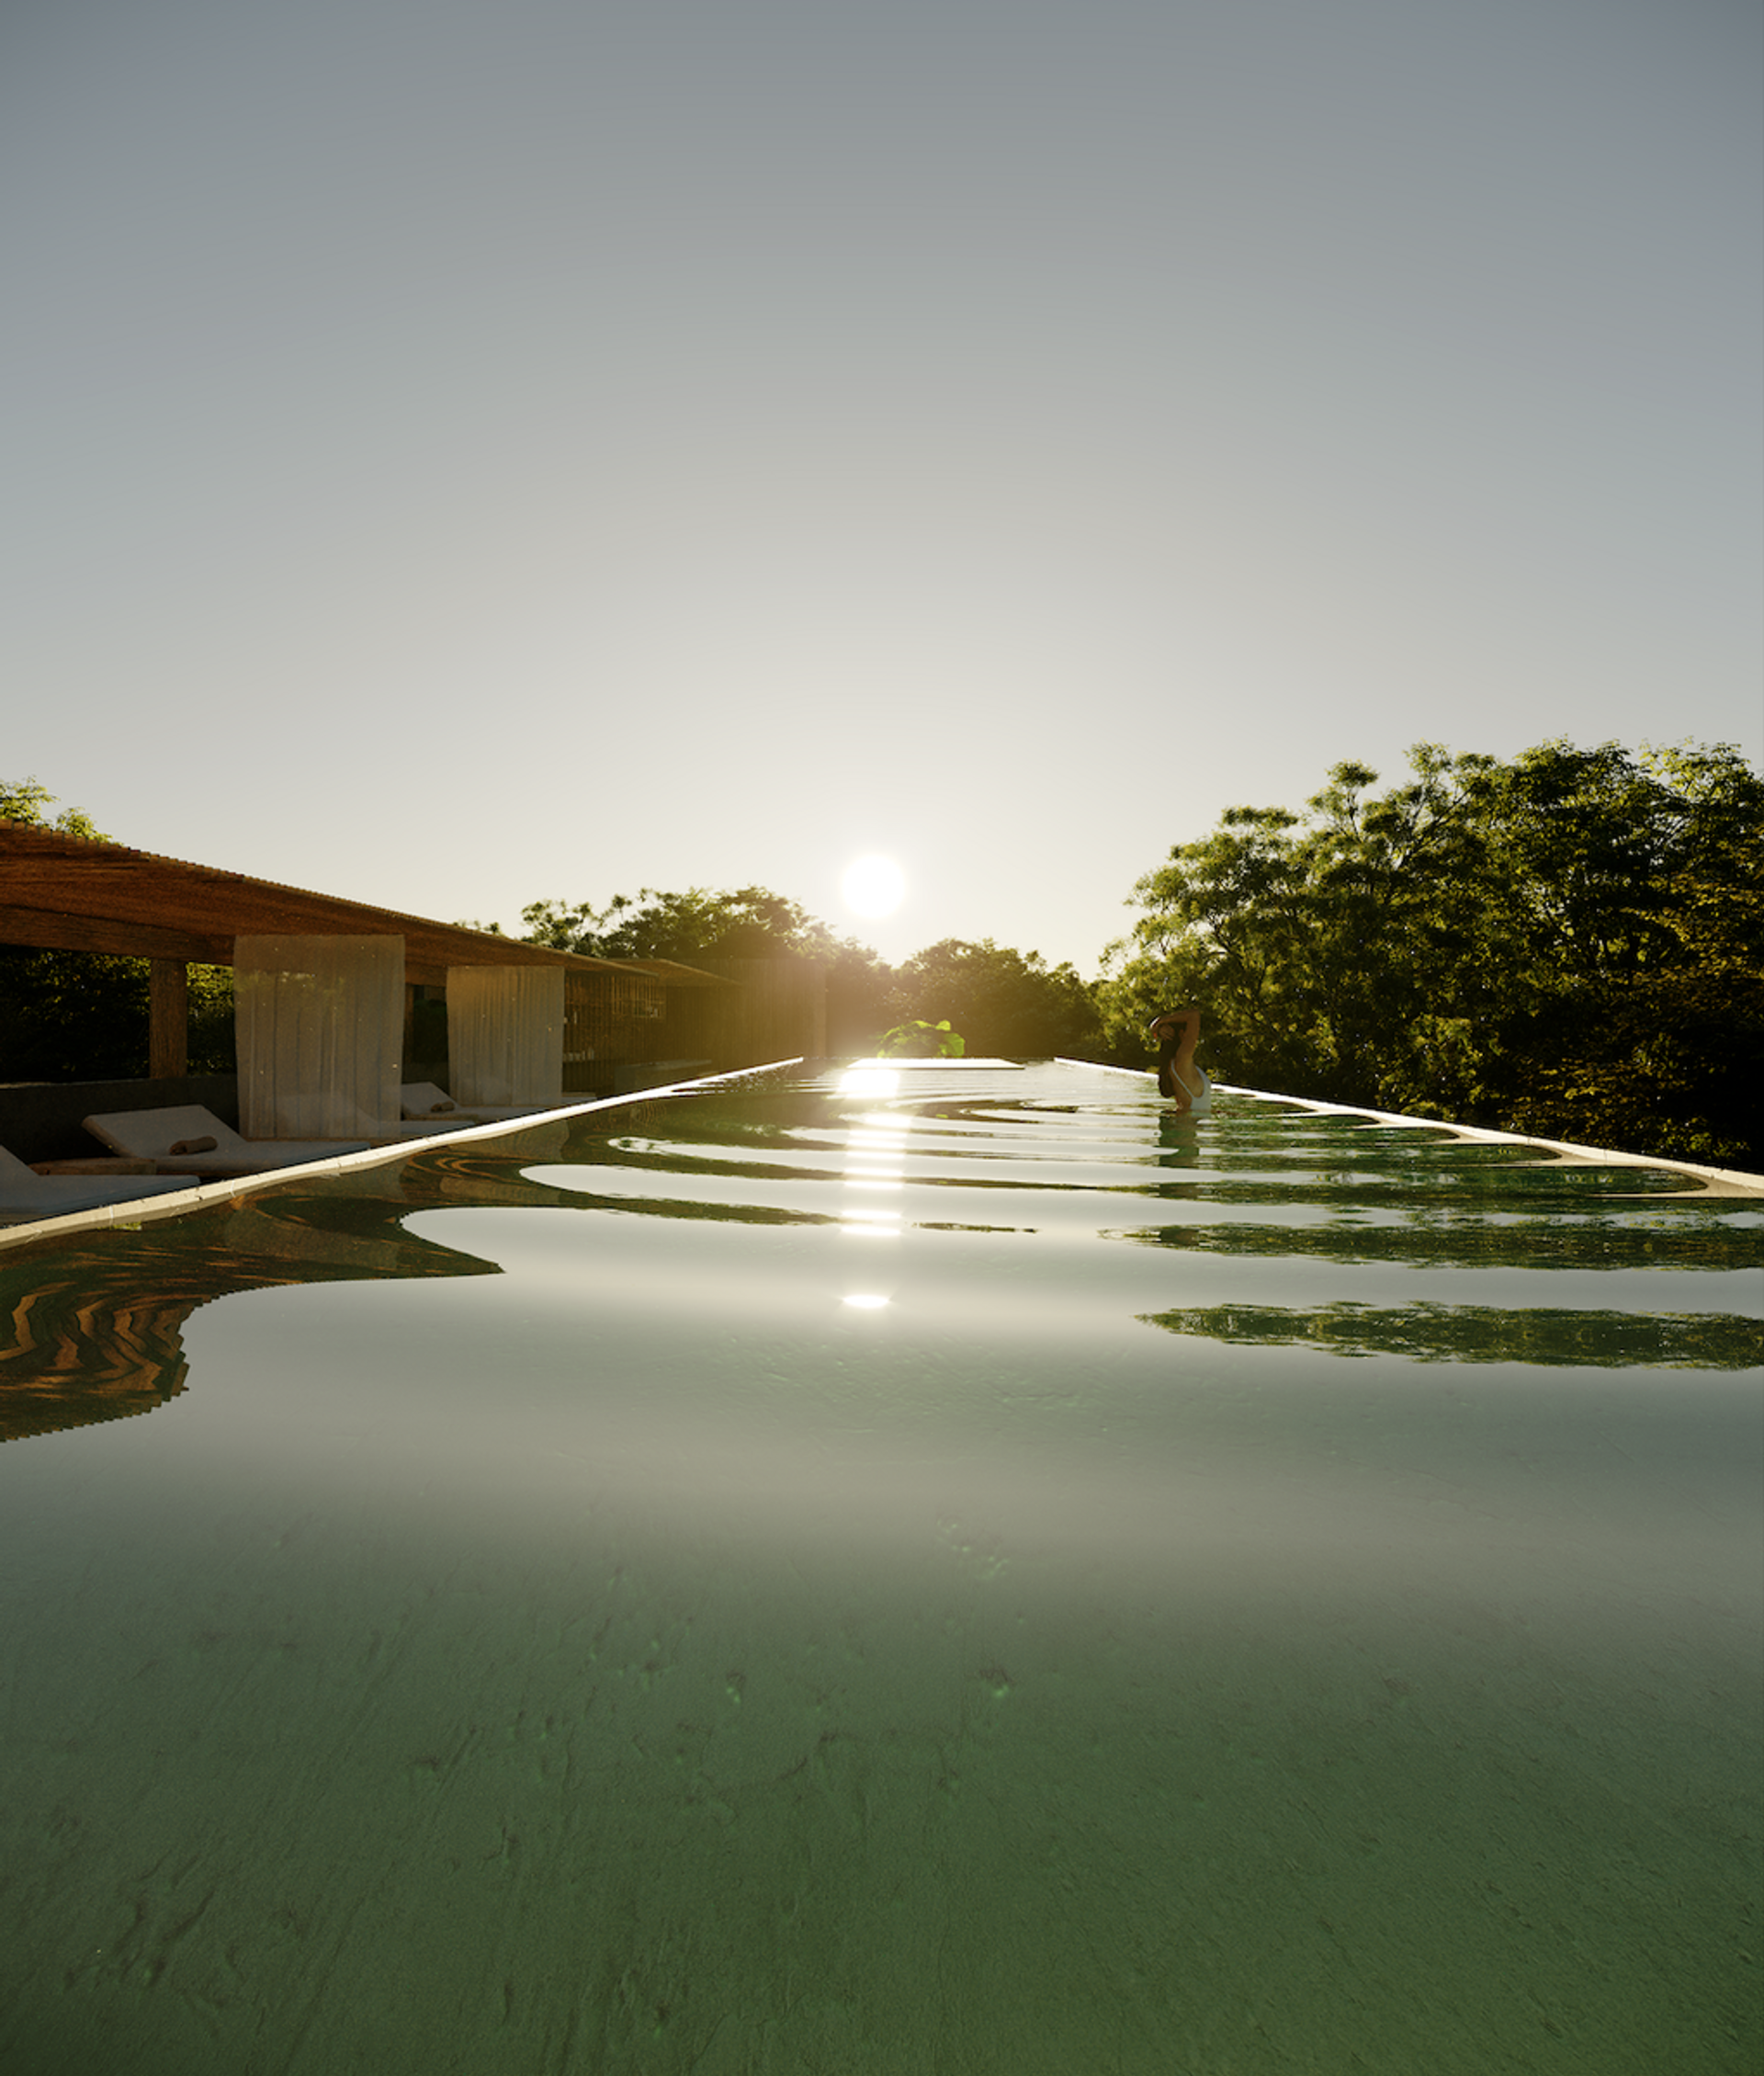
(1007, 1004)
(916, 1039)
(1570, 944)
(83, 1016)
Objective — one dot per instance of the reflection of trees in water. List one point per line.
(1430, 1332)
(1265, 1138)
(97, 1328)
(1444, 1241)
(1525, 1190)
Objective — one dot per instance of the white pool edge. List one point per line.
(131, 1211)
(172, 1203)
(1734, 1179)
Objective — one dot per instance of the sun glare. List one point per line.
(872, 885)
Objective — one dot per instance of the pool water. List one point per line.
(823, 1574)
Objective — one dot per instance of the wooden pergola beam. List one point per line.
(42, 930)
(67, 893)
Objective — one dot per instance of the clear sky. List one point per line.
(463, 451)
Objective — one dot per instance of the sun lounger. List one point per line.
(190, 1140)
(24, 1194)
(426, 1103)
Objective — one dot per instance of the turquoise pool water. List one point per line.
(969, 1576)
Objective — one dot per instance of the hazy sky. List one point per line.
(463, 451)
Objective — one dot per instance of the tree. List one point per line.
(83, 1016)
(747, 923)
(1646, 1019)
(743, 923)
(1007, 1003)
(1002, 1001)
(916, 1039)
(25, 800)
(1567, 944)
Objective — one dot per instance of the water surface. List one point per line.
(969, 1576)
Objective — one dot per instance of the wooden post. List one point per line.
(168, 1027)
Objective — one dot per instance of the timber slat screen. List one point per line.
(609, 1018)
(776, 1011)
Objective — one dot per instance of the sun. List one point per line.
(872, 885)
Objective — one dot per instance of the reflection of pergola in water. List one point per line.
(66, 893)
(94, 1330)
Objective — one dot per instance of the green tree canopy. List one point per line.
(916, 1039)
(83, 1016)
(745, 923)
(28, 800)
(1002, 1001)
(1006, 1004)
(702, 924)
(1567, 944)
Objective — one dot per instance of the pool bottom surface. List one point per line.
(511, 1675)
(382, 1787)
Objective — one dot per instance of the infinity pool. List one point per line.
(961, 1575)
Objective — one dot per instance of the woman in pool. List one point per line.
(1176, 1033)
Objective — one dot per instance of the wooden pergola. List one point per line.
(66, 893)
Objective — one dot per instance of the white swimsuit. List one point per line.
(1201, 1100)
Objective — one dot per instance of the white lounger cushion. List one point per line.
(49, 1197)
(423, 1099)
(151, 1135)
